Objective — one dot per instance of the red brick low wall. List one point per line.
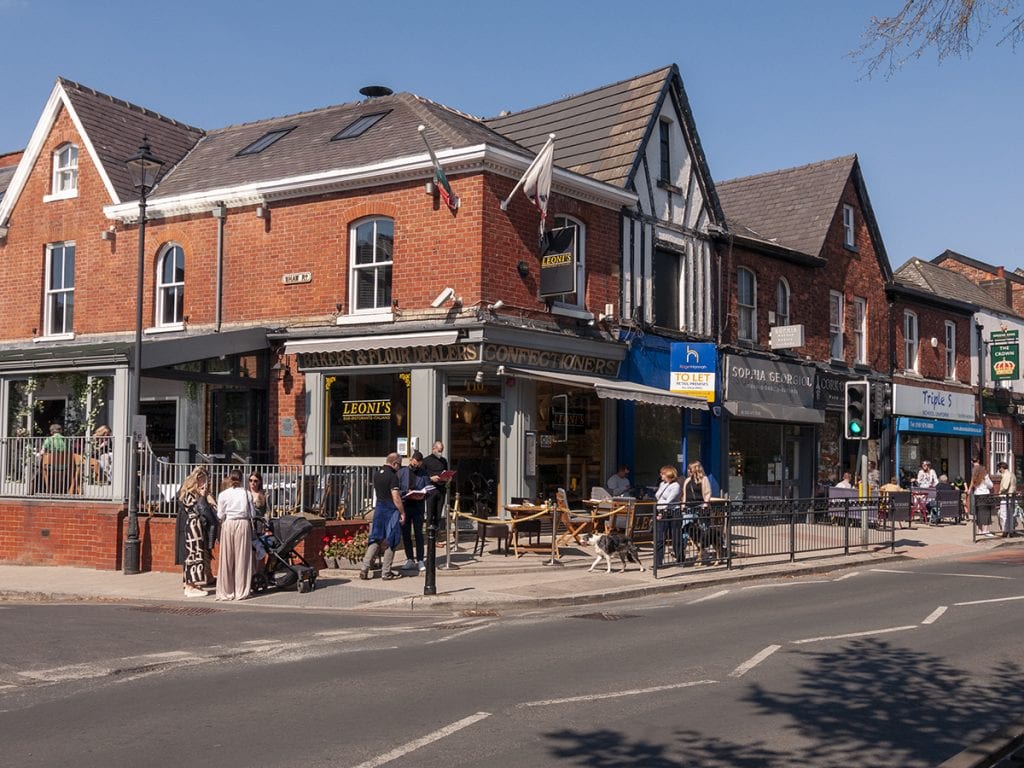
(91, 535)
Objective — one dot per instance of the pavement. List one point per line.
(486, 583)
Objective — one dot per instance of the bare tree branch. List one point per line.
(951, 27)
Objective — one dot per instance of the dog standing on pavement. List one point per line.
(608, 544)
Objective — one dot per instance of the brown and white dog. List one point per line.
(608, 544)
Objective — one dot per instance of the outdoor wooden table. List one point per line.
(518, 511)
(605, 509)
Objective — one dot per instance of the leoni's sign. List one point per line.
(366, 410)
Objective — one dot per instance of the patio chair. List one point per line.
(574, 520)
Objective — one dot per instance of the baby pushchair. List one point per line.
(285, 567)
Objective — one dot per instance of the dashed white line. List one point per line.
(615, 695)
(412, 746)
(934, 615)
(992, 600)
(855, 634)
(753, 661)
(848, 576)
(787, 584)
(942, 573)
(709, 597)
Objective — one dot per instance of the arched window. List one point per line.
(746, 305)
(65, 171)
(579, 298)
(782, 302)
(372, 243)
(170, 287)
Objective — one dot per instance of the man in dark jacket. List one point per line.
(413, 478)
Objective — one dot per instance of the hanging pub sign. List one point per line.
(558, 262)
(1004, 356)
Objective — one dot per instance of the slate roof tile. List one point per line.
(793, 207)
(947, 283)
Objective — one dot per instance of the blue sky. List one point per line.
(770, 83)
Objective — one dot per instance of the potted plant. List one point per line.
(353, 545)
(333, 550)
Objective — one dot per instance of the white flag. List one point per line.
(537, 179)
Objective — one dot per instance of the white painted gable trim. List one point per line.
(58, 98)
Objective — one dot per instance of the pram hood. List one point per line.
(289, 530)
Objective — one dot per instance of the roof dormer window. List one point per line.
(265, 141)
(360, 126)
(65, 172)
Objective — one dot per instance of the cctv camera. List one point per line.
(442, 297)
(498, 304)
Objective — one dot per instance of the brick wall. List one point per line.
(51, 532)
(853, 273)
(931, 322)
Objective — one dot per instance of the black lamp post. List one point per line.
(144, 169)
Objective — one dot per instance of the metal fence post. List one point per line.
(792, 531)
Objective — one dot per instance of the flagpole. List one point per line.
(507, 200)
(423, 135)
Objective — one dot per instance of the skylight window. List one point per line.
(360, 126)
(264, 141)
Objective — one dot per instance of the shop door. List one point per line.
(474, 452)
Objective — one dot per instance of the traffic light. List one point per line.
(858, 410)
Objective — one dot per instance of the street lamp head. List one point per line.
(144, 168)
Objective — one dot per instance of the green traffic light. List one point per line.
(855, 428)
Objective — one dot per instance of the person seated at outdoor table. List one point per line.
(926, 477)
(846, 482)
(56, 460)
(104, 451)
(618, 484)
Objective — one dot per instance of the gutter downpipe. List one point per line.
(220, 212)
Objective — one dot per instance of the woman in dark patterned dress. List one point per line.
(197, 515)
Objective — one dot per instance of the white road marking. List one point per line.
(412, 746)
(934, 615)
(787, 584)
(992, 600)
(753, 661)
(855, 634)
(848, 575)
(709, 597)
(617, 694)
(130, 663)
(457, 634)
(941, 573)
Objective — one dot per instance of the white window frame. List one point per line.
(849, 227)
(380, 309)
(860, 330)
(911, 341)
(64, 182)
(577, 300)
(54, 294)
(782, 302)
(836, 324)
(746, 312)
(1000, 448)
(950, 355)
(165, 290)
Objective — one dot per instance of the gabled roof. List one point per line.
(307, 148)
(992, 270)
(115, 129)
(6, 174)
(793, 207)
(948, 284)
(598, 132)
(111, 131)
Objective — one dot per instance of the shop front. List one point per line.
(521, 413)
(934, 425)
(772, 428)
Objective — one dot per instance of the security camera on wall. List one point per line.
(442, 297)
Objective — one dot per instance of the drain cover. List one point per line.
(191, 611)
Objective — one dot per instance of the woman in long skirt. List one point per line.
(234, 564)
(197, 524)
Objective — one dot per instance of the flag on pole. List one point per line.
(448, 197)
(537, 179)
(444, 189)
(536, 182)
